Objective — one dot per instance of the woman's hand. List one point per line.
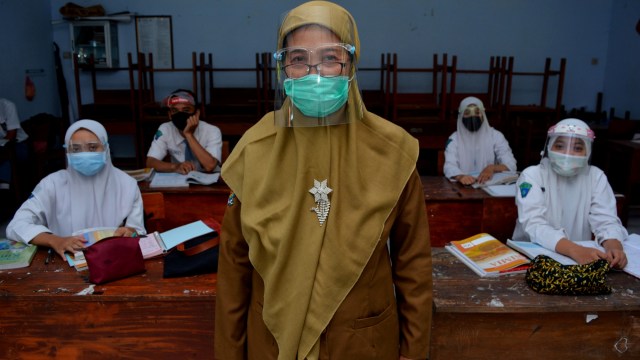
(465, 179)
(184, 167)
(580, 254)
(125, 231)
(486, 174)
(60, 244)
(615, 253)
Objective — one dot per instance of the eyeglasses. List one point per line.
(74, 148)
(296, 61)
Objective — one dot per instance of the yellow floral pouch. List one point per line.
(547, 276)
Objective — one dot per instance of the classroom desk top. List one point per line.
(483, 318)
(53, 311)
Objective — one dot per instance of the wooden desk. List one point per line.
(185, 205)
(484, 318)
(141, 317)
(456, 212)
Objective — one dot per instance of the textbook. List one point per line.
(15, 254)
(499, 178)
(508, 190)
(487, 256)
(155, 244)
(140, 174)
(631, 248)
(169, 180)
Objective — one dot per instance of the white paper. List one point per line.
(173, 237)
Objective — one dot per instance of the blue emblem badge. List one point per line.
(231, 199)
(157, 135)
(524, 189)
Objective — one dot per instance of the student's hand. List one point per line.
(184, 167)
(486, 174)
(70, 244)
(466, 179)
(125, 231)
(584, 255)
(192, 124)
(615, 253)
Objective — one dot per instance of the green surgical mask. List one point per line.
(318, 96)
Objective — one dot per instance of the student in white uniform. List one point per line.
(476, 150)
(10, 130)
(564, 199)
(192, 144)
(89, 193)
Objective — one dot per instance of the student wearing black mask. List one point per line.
(476, 150)
(190, 143)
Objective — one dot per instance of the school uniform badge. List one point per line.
(524, 189)
(449, 140)
(232, 199)
(157, 135)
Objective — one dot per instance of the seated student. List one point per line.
(191, 143)
(564, 199)
(10, 130)
(89, 193)
(476, 148)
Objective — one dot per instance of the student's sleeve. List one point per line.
(503, 152)
(410, 250)
(233, 290)
(214, 143)
(532, 206)
(11, 114)
(451, 161)
(603, 217)
(158, 149)
(135, 219)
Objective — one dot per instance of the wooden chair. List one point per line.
(378, 100)
(154, 213)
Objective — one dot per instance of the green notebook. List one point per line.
(15, 255)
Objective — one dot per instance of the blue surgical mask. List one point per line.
(567, 165)
(87, 163)
(318, 96)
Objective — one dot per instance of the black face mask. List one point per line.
(472, 123)
(180, 119)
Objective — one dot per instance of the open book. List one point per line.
(169, 180)
(499, 178)
(15, 254)
(487, 256)
(140, 174)
(156, 243)
(508, 190)
(631, 247)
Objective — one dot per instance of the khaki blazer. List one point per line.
(387, 313)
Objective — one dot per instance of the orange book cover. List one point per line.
(487, 256)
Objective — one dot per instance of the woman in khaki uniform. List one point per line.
(325, 246)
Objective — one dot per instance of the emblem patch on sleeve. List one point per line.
(232, 199)
(524, 189)
(157, 135)
(449, 140)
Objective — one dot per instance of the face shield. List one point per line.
(314, 69)
(569, 146)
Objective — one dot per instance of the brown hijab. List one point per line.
(308, 269)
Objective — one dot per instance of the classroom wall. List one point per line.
(594, 36)
(27, 47)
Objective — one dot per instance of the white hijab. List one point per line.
(475, 149)
(72, 201)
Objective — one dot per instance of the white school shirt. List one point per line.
(168, 140)
(491, 148)
(66, 201)
(9, 118)
(552, 207)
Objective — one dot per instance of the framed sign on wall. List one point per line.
(154, 35)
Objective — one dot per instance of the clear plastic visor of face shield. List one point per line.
(314, 70)
(78, 147)
(569, 144)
